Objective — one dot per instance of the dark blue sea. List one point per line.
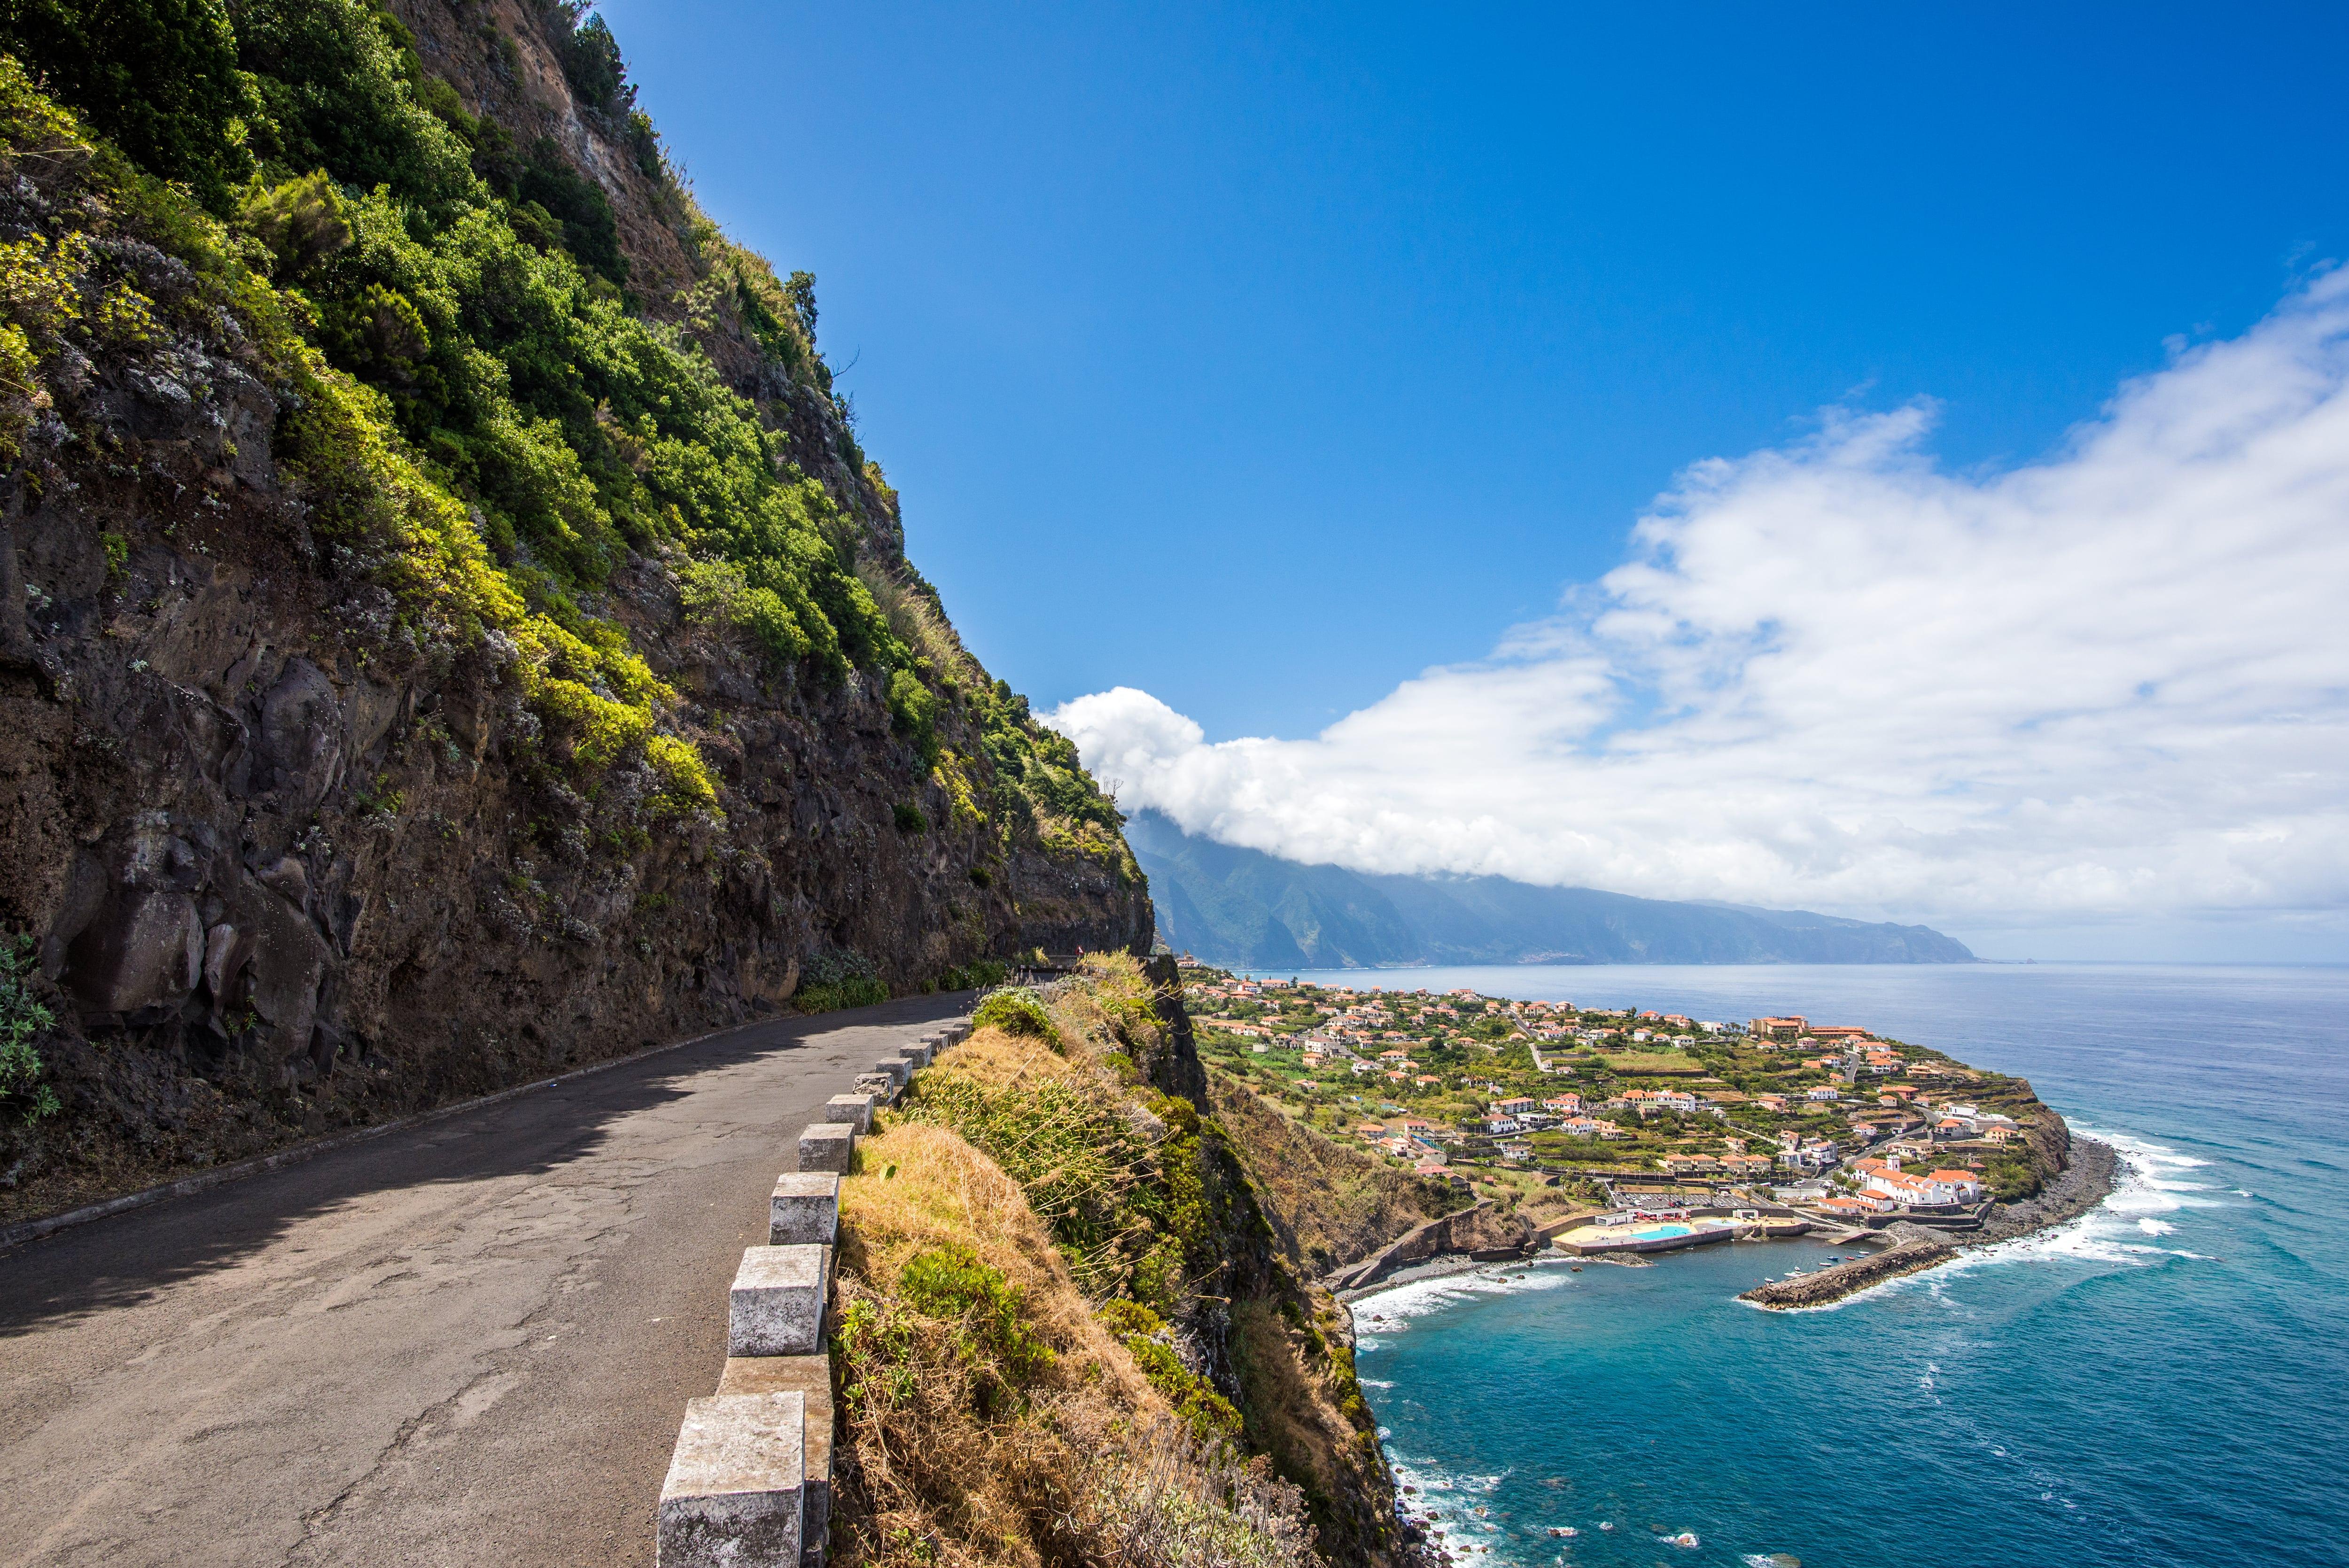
(2165, 1381)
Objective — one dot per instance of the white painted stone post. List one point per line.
(804, 1210)
(737, 1484)
(776, 1307)
(827, 1145)
(856, 1110)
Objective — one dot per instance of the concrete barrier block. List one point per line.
(737, 1485)
(898, 1069)
(776, 1306)
(880, 1086)
(810, 1376)
(826, 1146)
(856, 1110)
(804, 1210)
(919, 1053)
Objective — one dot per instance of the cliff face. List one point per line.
(1097, 1116)
(315, 815)
(1329, 1205)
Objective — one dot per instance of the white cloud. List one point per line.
(2115, 683)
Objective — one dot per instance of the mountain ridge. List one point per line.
(1242, 906)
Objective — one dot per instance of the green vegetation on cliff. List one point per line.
(489, 419)
(1105, 1208)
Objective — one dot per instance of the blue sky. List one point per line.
(1186, 316)
(1273, 393)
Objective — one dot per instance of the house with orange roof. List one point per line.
(1964, 1183)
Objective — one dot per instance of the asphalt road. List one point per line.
(467, 1342)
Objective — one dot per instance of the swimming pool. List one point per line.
(1657, 1233)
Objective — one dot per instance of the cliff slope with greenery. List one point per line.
(1066, 1330)
(449, 626)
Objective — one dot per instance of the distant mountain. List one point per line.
(1244, 907)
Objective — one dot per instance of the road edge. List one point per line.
(27, 1230)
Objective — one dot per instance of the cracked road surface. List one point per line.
(466, 1342)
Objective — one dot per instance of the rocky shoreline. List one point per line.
(2087, 1178)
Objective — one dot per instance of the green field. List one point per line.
(1653, 1063)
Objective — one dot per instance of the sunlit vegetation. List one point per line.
(489, 422)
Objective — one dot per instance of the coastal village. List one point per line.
(1645, 1117)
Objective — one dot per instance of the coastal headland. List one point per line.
(1427, 1133)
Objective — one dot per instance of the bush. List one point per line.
(22, 1019)
(1084, 1168)
(909, 818)
(157, 77)
(970, 976)
(952, 1282)
(839, 977)
(1016, 1011)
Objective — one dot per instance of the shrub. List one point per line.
(1083, 1167)
(909, 818)
(157, 77)
(839, 977)
(1016, 1011)
(479, 414)
(23, 1019)
(970, 976)
(301, 222)
(952, 1282)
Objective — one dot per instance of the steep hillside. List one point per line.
(1068, 1333)
(448, 629)
(1329, 1204)
(1244, 907)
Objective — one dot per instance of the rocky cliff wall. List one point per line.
(286, 865)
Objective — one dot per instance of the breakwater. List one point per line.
(2086, 1180)
(1837, 1280)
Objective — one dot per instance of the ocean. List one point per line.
(2163, 1381)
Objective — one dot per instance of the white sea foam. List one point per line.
(1391, 1311)
(1449, 1500)
(2139, 1199)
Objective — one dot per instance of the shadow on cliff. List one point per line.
(116, 1262)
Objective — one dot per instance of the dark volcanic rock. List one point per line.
(291, 865)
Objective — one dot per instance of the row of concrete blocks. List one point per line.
(750, 1482)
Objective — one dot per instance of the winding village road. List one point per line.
(465, 1342)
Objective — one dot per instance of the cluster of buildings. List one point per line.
(1914, 1149)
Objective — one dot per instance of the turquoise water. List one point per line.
(2163, 1382)
(1655, 1232)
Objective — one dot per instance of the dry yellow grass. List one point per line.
(917, 1187)
(954, 1463)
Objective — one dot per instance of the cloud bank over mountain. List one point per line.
(2113, 684)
